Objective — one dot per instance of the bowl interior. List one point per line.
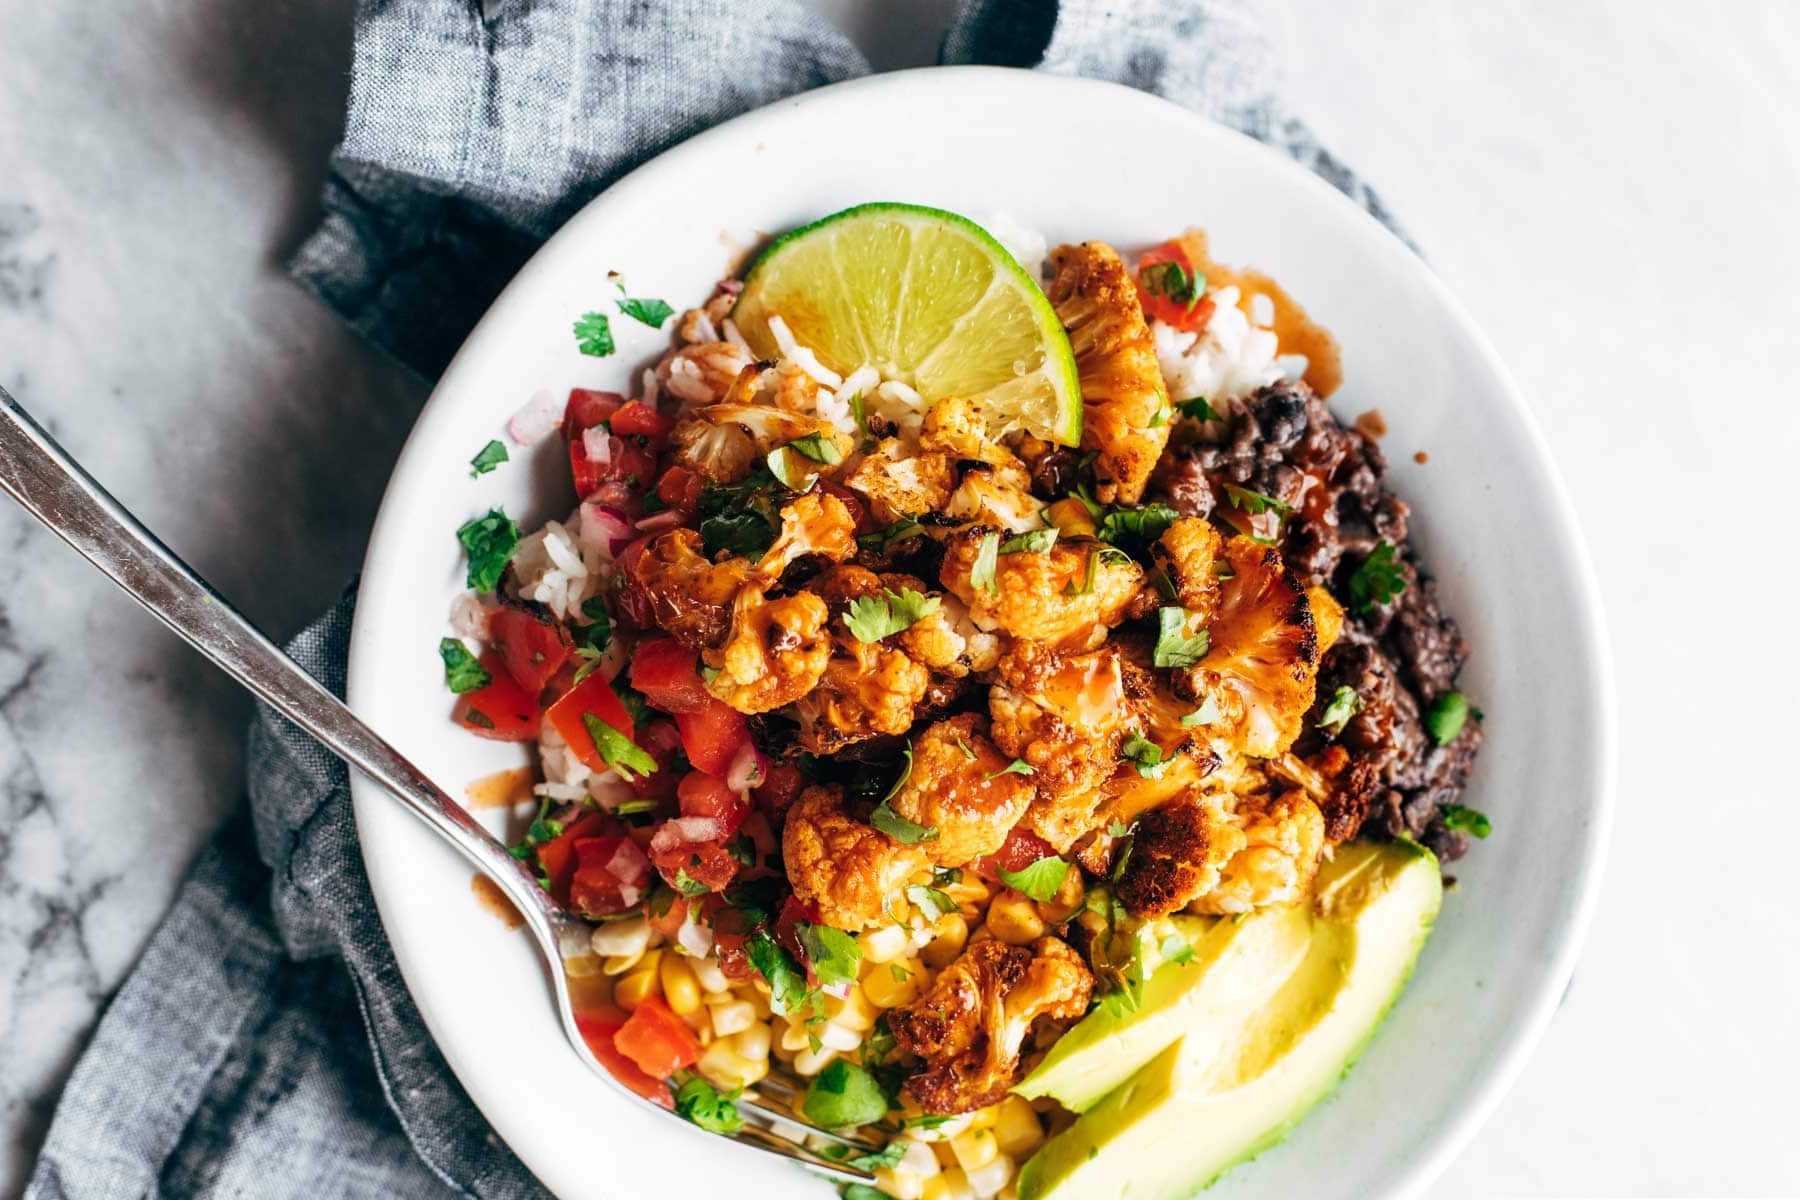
(1053, 155)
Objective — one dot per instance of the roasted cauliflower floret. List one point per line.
(1070, 594)
(1066, 716)
(947, 642)
(763, 408)
(898, 485)
(689, 596)
(1214, 852)
(1263, 655)
(1126, 415)
(1189, 554)
(850, 870)
(960, 786)
(996, 497)
(775, 652)
(703, 372)
(970, 1028)
(814, 523)
(869, 688)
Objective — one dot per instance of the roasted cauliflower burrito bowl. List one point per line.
(984, 700)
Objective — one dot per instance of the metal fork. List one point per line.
(40, 475)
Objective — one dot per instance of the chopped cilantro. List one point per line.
(1159, 418)
(932, 902)
(1017, 766)
(1072, 588)
(480, 720)
(899, 531)
(687, 885)
(843, 1095)
(1467, 820)
(617, 750)
(596, 635)
(872, 618)
(707, 1107)
(742, 848)
(968, 751)
(898, 827)
(1175, 280)
(987, 560)
(1377, 579)
(818, 447)
(1199, 409)
(1449, 712)
(1145, 754)
(593, 335)
(461, 670)
(1038, 541)
(906, 766)
(487, 458)
(1206, 714)
(832, 953)
(1345, 703)
(651, 312)
(490, 542)
(1255, 503)
(898, 973)
(1174, 647)
(787, 983)
(887, 1157)
(1041, 880)
(633, 806)
(1146, 523)
(739, 518)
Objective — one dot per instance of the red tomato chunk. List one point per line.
(592, 697)
(599, 1030)
(502, 710)
(668, 674)
(657, 1040)
(533, 646)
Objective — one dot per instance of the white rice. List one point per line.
(1026, 245)
(686, 381)
(551, 568)
(729, 328)
(801, 356)
(897, 402)
(1230, 360)
(835, 406)
(647, 381)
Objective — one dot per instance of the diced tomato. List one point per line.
(501, 710)
(662, 741)
(592, 697)
(1020, 850)
(587, 408)
(634, 602)
(711, 734)
(731, 936)
(534, 646)
(611, 875)
(670, 923)
(702, 795)
(781, 786)
(694, 851)
(640, 420)
(1158, 306)
(793, 914)
(679, 489)
(599, 1029)
(557, 856)
(668, 674)
(657, 1040)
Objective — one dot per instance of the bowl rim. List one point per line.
(1455, 1127)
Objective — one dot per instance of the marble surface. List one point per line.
(1608, 186)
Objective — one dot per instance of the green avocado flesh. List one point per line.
(1242, 1042)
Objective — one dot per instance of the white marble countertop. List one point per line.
(1609, 188)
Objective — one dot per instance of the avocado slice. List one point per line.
(1213, 1098)
(1237, 965)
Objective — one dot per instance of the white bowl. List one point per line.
(1071, 159)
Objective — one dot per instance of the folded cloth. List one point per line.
(271, 1049)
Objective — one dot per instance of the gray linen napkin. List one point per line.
(271, 1049)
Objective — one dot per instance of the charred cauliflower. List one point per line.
(1263, 655)
(689, 596)
(1189, 554)
(868, 688)
(1213, 852)
(814, 523)
(1069, 595)
(1126, 416)
(850, 870)
(899, 485)
(775, 652)
(970, 1028)
(960, 786)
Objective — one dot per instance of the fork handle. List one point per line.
(52, 486)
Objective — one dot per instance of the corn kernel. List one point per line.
(795, 1037)
(1009, 1192)
(618, 964)
(951, 932)
(712, 979)
(1016, 1128)
(680, 988)
(724, 1067)
(951, 1185)
(835, 1037)
(976, 1148)
(1067, 901)
(634, 988)
(732, 1016)
(1071, 517)
(857, 1012)
(983, 1118)
(615, 939)
(810, 1062)
(884, 945)
(946, 1157)
(1014, 919)
(918, 1159)
(753, 1043)
(756, 998)
(888, 989)
(581, 966)
(986, 1181)
(901, 1185)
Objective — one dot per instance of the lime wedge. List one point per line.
(927, 298)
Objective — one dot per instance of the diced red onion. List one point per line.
(628, 864)
(731, 287)
(604, 529)
(840, 990)
(630, 894)
(695, 938)
(668, 518)
(686, 831)
(536, 420)
(597, 442)
(747, 770)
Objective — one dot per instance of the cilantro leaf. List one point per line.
(1145, 754)
(739, 518)
(1017, 766)
(1255, 503)
(707, 1107)
(931, 901)
(618, 751)
(1146, 523)
(968, 751)
(899, 828)
(1449, 712)
(687, 885)
(887, 1157)
(1041, 880)
(842, 1095)
(596, 635)
(832, 953)
(819, 448)
(593, 335)
(987, 560)
(462, 672)
(487, 458)
(1087, 577)
(651, 312)
(1175, 280)
(872, 618)
(1345, 703)
(1468, 820)
(1199, 409)
(1174, 647)
(1377, 579)
(787, 983)
(1206, 714)
(1038, 541)
(899, 531)
(490, 542)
